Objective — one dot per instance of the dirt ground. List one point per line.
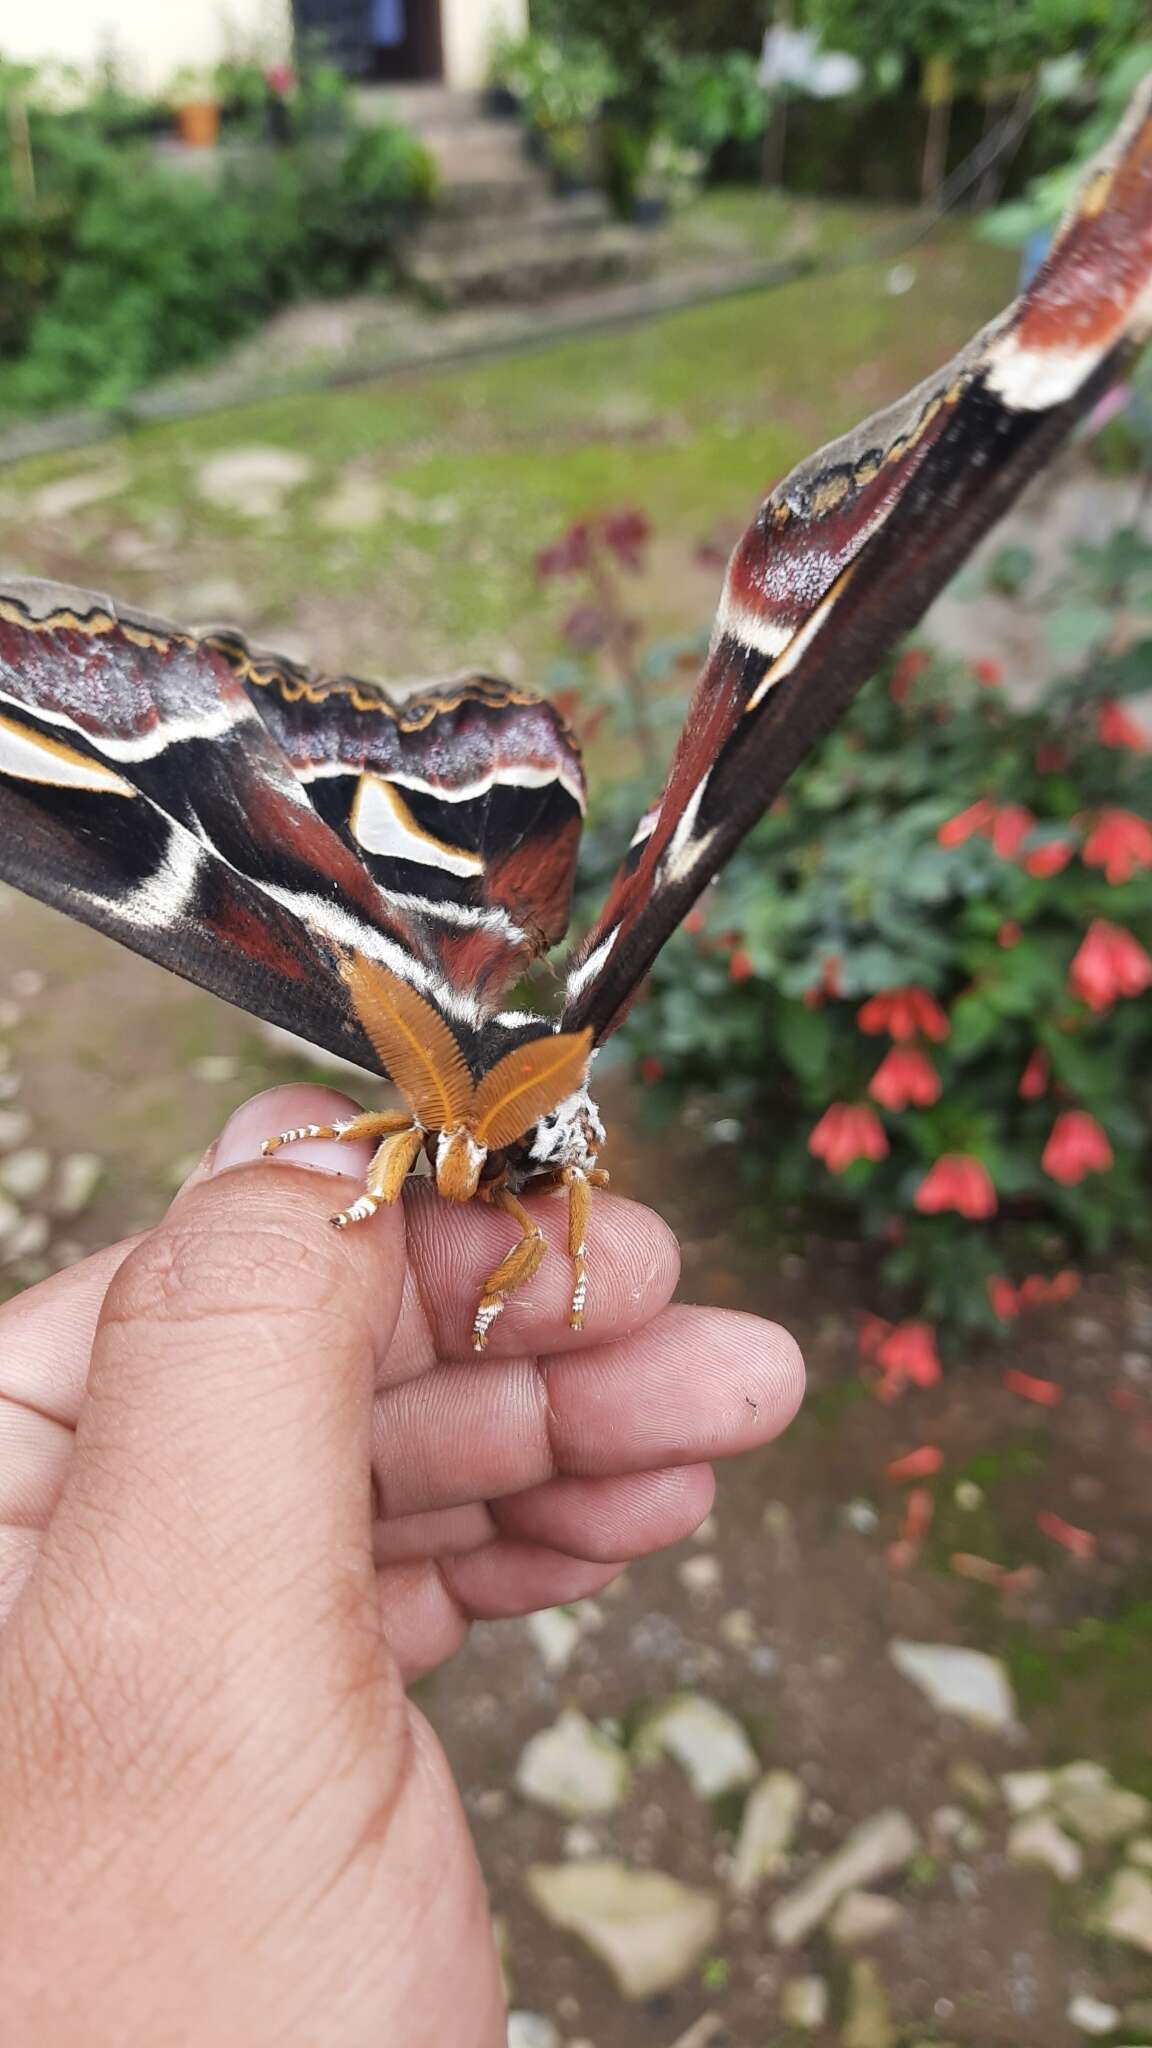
(784, 1610)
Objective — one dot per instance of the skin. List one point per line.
(252, 1483)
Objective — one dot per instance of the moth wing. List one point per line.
(465, 801)
(141, 793)
(848, 552)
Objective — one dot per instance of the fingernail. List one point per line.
(241, 1143)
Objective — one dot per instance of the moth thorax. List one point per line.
(571, 1135)
(459, 1164)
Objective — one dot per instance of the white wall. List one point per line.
(152, 39)
(469, 29)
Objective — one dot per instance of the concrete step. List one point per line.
(525, 269)
(533, 217)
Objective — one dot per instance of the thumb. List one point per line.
(223, 1453)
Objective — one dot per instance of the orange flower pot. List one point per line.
(199, 124)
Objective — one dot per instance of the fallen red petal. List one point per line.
(1045, 1393)
(918, 1464)
(1078, 1542)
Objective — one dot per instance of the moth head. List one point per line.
(468, 1118)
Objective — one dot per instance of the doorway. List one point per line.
(406, 43)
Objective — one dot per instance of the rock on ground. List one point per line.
(254, 481)
(804, 2004)
(869, 2020)
(573, 1768)
(1092, 2016)
(648, 1928)
(771, 1815)
(78, 1175)
(862, 1917)
(967, 1683)
(555, 1632)
(1094, 1807)
(25, 1174)
(1024, 1791)
(1127, 1910)
(707, 1741)
(531, 2030)
(879, 1846)
(1039, 1839)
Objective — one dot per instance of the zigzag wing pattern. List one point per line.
(142, 793)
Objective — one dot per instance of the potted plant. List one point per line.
(195, 99)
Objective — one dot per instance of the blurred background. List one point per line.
(409, 334)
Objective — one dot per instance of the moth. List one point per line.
(375, 873)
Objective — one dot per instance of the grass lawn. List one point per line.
(690, 417)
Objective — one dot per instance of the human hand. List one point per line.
(252, 1480)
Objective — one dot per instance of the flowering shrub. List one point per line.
(917, 1000)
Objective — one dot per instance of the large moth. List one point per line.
(375, 874)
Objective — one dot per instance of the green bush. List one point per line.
(115, 270)
(916, 1003)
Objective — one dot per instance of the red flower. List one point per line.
(828, 984)
(905, 1075)
(904, 1013)
(695, 922)
(1121, 844)
(1045, 861)
(1109, 963)
(740, 967)
(1034, 1079)
(957, 1181)
(1009, 934)
(909, 667)
(1002, 1295)
(920, 1464)
(1010, 828)
(966, 824)
(1079, 1542)
(989, 673)
(1052, 758)
(651, 1070)
(1114, 728)
(1038, 1292)
(847, 1132)
(1076, 1146)
(566, 555)
(908, 1353)
(1063, 1286)
(1045, 1393)
(627, 534)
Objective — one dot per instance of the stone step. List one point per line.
(479, 150)
(533, 218)
(526, 269)
(429, 109)
(497, 198)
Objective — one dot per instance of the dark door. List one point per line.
(398, 39)
(406, 39)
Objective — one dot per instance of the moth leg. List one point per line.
(369, 1124)
(520, 1266)
(580, 1183)
(384, 1181)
